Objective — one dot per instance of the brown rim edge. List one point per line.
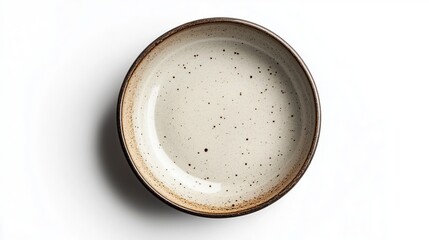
(173, 31)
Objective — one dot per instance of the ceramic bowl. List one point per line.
(219, 117)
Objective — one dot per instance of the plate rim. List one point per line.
(188, 25)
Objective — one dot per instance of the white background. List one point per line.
(62, 172)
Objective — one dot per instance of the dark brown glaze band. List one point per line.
(188, 25)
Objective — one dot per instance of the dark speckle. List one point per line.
(206, 150)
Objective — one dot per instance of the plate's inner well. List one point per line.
(218, 118)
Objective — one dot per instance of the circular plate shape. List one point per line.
(219, 117)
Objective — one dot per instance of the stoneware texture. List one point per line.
(219, 117)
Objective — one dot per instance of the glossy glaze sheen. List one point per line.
(219, 117)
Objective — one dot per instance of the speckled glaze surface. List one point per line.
(219, 117)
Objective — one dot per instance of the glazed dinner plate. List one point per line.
(219, 117)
